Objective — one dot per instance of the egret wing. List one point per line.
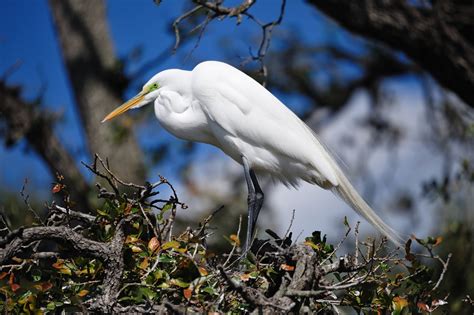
(242, 109)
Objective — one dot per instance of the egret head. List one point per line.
(172, 79)
(147, 95)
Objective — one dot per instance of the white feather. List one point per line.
(220, 105)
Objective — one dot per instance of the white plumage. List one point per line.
(218, 104)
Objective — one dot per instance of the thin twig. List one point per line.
(445, 268)
(178, 21)
(290, 225)
(235, 243)
(337, 247)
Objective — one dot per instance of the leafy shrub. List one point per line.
(125, 258)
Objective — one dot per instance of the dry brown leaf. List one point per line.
(144, 264)
(45, 286)
(202, 271)
(287, 267)
(3, 275)
(83, 293)
(188, 293)
(127, 209)
(235, 239)
(14, 287)
(245, 277)
(153, 244)
(56, 188)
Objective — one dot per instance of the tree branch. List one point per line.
(24, 120)
(431, 35)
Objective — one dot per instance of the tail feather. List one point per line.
(349, 194)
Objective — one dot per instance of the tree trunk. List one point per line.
(97, 83)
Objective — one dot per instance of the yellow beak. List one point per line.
(126, 106)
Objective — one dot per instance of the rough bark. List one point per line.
(23, 120)
(97, 82)
(436, 36)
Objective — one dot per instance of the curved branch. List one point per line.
(57, 233)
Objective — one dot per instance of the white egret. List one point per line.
(218, 104)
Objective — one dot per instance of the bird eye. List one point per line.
(152, 87)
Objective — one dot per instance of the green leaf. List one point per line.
(166, 259)
(22, 299)
(51, 306)
(170, 244)
(180, 283)
(209, 290)
(148, 293)
(167, 207)
(102, 213)
(36, 275)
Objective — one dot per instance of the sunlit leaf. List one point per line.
(167, 207)
(170, 244)
(312, 245)
(164, 285)
(144, 264)
(83, 293)
(131, 239)
(188, 293)
(58, 264)
(57, 188)
(66, 271)
(287, 267)
(14, 287)
(127, 209)
(51, 306)
(235, 239)
(135, 249)
(102, 213)
(202, 271)
(17, 259)
(209, 290)
(166, 259)
(179, 283)
(36, 275)
(45, 286)
(398, 304)
(153, 244)
(423, 307)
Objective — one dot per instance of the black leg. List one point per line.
(255, 201)
(259, 197)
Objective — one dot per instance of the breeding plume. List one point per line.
(218, 104)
